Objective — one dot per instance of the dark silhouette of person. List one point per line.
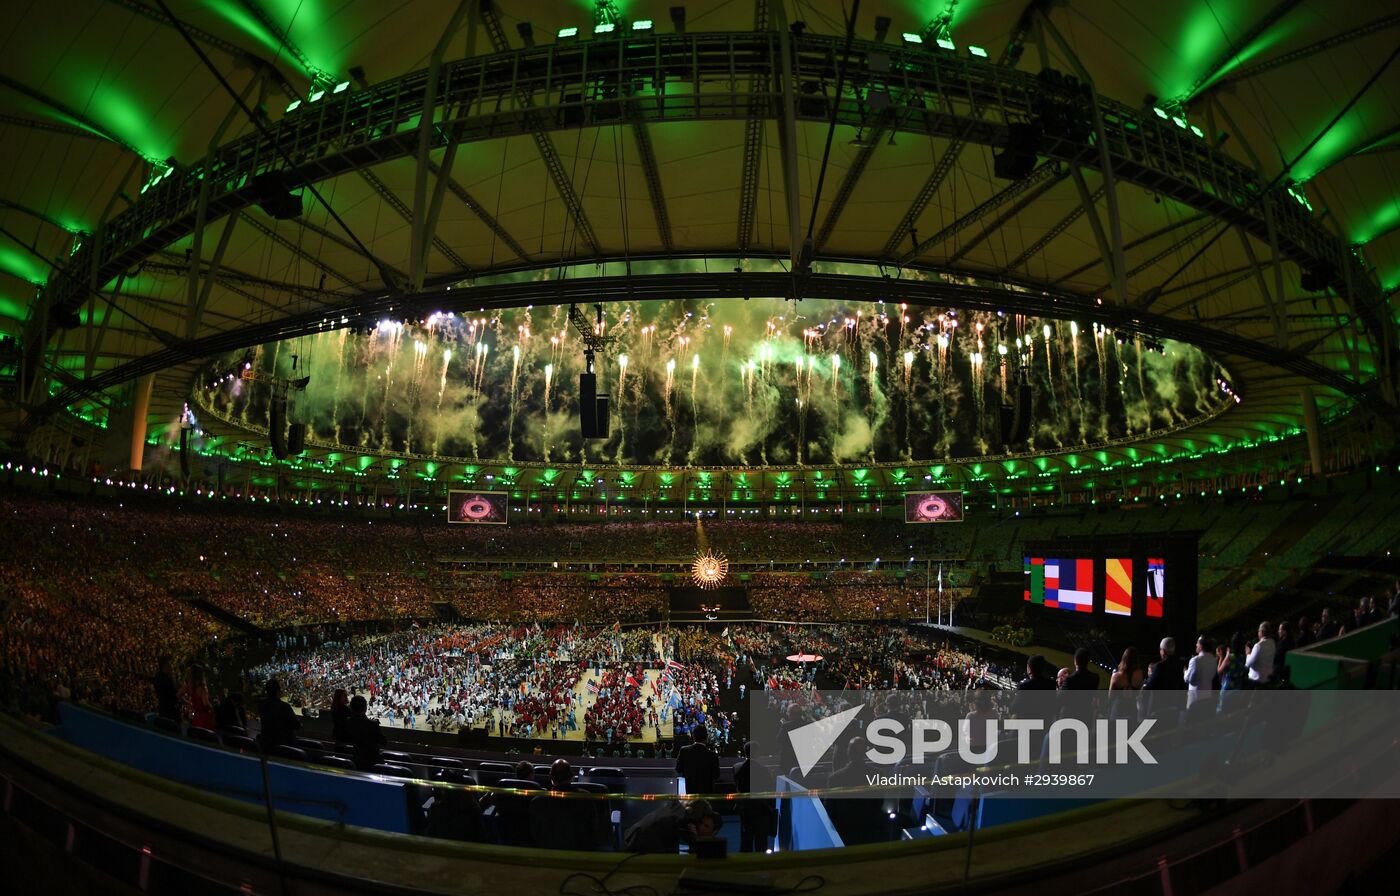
(279, 723)
(340, 712)
(229, 713)
(167, 694)
(566, 822)
(673, 823)
(697, 763)
(1076, 694)
(757, 818)
(363, 735)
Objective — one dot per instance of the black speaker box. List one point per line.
(1021, 419)
(272, 193)
(185, 452)
(277, 427)
(588, 404)
(296, 439)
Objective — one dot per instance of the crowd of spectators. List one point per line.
(97, 588)
(558, 597)
(836, 596)
(79, 615)
(750, 541)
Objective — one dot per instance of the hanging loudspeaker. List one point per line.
(277, 427)
(601, 418)
(1021, 419)
(588, 404)
(296, 439)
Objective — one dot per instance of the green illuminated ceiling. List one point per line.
(157, 97)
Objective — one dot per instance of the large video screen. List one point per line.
(933, 507)
(477, 508)
(1060, 584)
(1119, 580)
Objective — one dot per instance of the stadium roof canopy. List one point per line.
(1236, 186)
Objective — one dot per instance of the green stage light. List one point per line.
(565, 33)
(946, 44)
(977, 51)
(912, 38)
(642, 25)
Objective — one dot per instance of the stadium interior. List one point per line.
(547, 447)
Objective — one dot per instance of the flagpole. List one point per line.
(928, 565)
(940, 596)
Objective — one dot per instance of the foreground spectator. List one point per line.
(1261, 656)
(677, 822)
(279, 723)
(698, 764)
(363, 735)
(1201, 672)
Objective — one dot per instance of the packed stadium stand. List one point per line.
(771, 447)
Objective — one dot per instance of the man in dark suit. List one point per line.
(1035, 680)
(1076, 694)
(1168, 674)
(757, 818)
(698, 764)
(279, 723)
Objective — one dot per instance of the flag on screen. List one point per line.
(1156, 586)
(1035, 580)
(1074, 586)
(1052, 583)
(1118, 586)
